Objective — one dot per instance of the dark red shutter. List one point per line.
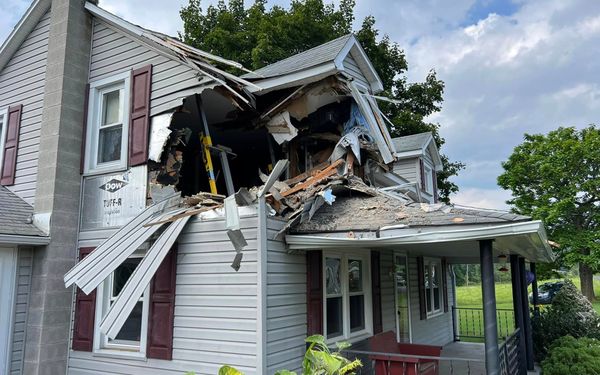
(314, 291)
(376, 292)
(435, 188)
(139, 115)
(85, 308)
(86, 103)
(11, 145)
(421, 286)
(422, 170)
(445, 283)
(162, 309)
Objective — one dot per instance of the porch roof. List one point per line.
(16, 223)
(383, 221)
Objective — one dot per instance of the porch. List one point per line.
(454, 358)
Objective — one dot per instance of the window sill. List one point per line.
(120, 354)
(105, 171)
(355, 337)
(435, 314)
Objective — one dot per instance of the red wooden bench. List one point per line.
(400, 365)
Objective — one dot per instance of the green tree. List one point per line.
(556, 178)
(257, 37)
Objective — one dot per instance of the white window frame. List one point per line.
(101, 344)
(427, 263)
(4, 117)
(344, 256)
(97, 90)
(428, 171)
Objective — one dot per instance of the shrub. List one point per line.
(570, 314)
(568, 355)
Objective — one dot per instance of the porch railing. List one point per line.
(421, 365)
(509, 354)
(468, 323)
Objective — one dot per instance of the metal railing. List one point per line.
(468, 322)
(509, 354)
(421, 364)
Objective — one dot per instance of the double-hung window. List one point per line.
(347, 295)
(132, 336)
(433, 286)
(107, 135)
(428, 179)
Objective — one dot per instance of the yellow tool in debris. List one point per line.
(208, 165)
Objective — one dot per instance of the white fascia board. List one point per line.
(408, 154)
(22, 29)
(293, 79)
(24, 240)
(315, 242)
(120, 310)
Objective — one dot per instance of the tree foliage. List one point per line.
(556, 178)
(257, 36)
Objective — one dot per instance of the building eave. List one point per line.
(15, 239)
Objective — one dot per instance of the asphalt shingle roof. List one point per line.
(364, 213)
(411, 142)
(15, 215)
(315, 56)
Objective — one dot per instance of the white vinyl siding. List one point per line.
(388, 301)
(23, 287)
(352, 68)
(215, 307)
(436, 330)
(286, 303)
(407, 168)
(22, 82)
(114, 52)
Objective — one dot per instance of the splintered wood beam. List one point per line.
(303, 176)
(327, 172)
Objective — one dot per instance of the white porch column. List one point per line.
(492, 362)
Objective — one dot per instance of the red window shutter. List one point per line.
(162, 309)
(85, 308)
(11, 145)
(422, 172)
(445, 283)
(139, 115)
(376, 292)
(86, 103)
(435, 188)
(314, 291)
(421, 282)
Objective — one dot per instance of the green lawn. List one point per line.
(470, 321)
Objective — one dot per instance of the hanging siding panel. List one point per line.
(114, 52)
(215, 307)
(22, 82)
(286, 304)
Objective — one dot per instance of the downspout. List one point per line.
(453, 307)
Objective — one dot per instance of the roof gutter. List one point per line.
(310, 242)
(24, 240)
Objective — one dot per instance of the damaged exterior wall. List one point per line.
(215, 307)
(113, 52)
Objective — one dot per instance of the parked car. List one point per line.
(546, 292)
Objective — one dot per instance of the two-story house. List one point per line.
(162, 215)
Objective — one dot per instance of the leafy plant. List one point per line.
(228, 370)
(569, 314)
(569, 355)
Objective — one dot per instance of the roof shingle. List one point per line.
(16, 216)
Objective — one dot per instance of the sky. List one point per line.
(510, 67)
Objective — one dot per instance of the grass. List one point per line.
(470, 322)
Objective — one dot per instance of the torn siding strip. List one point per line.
(136, 285)
(95, 257)
(159, 134)
(232, 223)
